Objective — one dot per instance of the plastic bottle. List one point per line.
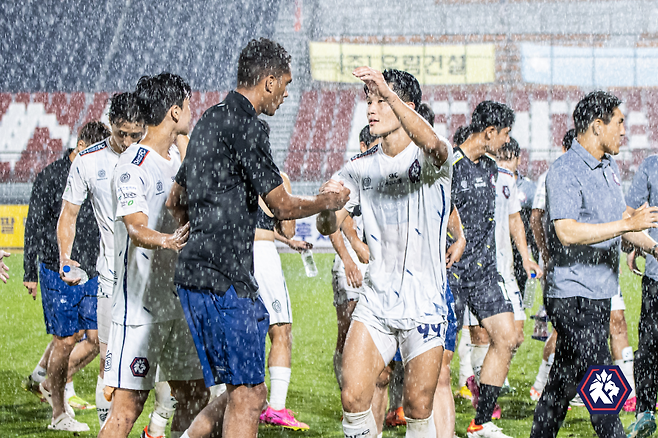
(540, 331)
(530, 290)
(309, 263)
(71, 272)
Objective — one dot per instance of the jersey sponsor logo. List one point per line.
(139, 156)
(102, 174)
(370, 151)
(479, 182)
(366, 183)
(108, 361)
(604, 389)
(414, 172)
(125, 177)
(94, 148)
(506, 192)
(140, 367)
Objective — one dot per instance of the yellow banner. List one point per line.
(430, 64)
(12, 225)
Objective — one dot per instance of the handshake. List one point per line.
(335, 193)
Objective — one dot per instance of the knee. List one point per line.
(353, 400)
(67, 342)
(419, 406)
(519, 339)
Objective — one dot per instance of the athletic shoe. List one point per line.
(643, 426)
(79, 403)
(145, 434)
(475, 390)
(30, 385)
(68, 424)
(506, 389)
(534, 394)
(464, 392)
(497, 412)
(395, 418)
(284, 418)
(49, 398)
(629, 405)
(577, 401)
(487, 430)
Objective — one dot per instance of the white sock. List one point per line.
(360, 424)
(39, 374)
(465, 349)
(421, 428)
(185, 435)
(542, 374)
(338, 368)
(279, 382)
(157, 424)
(69, 391)
(626, 365)
(381, 435)
(102, 405)
(477, 359)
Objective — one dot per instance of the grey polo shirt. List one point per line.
(645, 189)
(580, 187)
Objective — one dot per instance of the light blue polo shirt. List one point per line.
(645, 189)
(580, 187)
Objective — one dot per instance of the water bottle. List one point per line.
(71, 272)
(540, 331)
(530, 290)
(309, 263)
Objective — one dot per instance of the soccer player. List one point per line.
(586, 220)
(475, 280)
(90, 177)
(402, 187)
(228, 165)
(69, 311)
(148, 326)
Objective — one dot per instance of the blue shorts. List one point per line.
(453, 327)
(67, 309)
(229, 334)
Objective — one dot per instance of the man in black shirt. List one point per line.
(228, 165)
(68, 310)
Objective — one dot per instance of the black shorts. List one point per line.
(485, 298)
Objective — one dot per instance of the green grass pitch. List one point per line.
(313, 391)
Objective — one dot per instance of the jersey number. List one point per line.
(425, 329)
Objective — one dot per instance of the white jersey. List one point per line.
(507, 202)
(144, 292)
(91, 176)
(339, 265)
(405, 203)
(540, 193)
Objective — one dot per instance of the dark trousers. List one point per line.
(646, 356)
(583, 326)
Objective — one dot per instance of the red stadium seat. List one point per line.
(95, 110)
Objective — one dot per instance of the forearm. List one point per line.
(297, 207)
(177, 204)
(66, 230)
(339, 246)
(455, 225)
(285, 228)
(348, 229)
(517, 231)
(538, 232)
(144, 237)
(281, 238)
(640, 240)
(571, 232)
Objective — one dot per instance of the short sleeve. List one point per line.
(131, 186)
(640, 188)
(76, 188)
(539, 202)
(181, 176)
(563, 194)
(350, 179)
(514, 202)
(255, 157)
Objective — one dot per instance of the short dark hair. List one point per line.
(596, 105)
(426, 112)
(490, 113)
(124, 108)
(404, 84)
(509, 150)
(157, 94)
(259, 59)
(365, 136)
(460, 136)
(568, 138)
(93, 132)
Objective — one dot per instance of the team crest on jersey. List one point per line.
(108, 361)
(276, 305)
(464, 184)
(615, 179)
(139, 156)
(414, 172)
(124, 178)
(158, 187)
(506, 192)
(140, 367)
(456, 157)
(604, 389)
(102, 174)
(367, 183)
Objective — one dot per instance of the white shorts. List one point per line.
(271, 283)
(469, 318)
(135, 352)
(515, 297)
(617, 302)
(104, 318)
(343, 292)
(388, 339)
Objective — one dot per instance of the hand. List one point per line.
(31, 288)
(631, 261)
(68, 262)
(362, 252)
(4, 269)
(177, 240)
(454, 252)
(337, 200)
(299, 245)
(531, 267)
(331, 186)
(375, 81)
(353, 274)
(643, 218)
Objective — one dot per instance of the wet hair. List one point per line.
(366, 137)
(124, 108)
(157, 94)
(596, 105)
(404, 84)
(93, 132)
(261, 58)
(426, 112)
(490, 113)
(509, 150)
(460, 136)
(568, 138)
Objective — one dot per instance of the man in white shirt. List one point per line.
(148, 325)
(402, 187)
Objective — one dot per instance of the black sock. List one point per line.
(486, 403)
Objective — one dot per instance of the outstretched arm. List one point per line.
(333, 196)
(177, 203)
(144, 237)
